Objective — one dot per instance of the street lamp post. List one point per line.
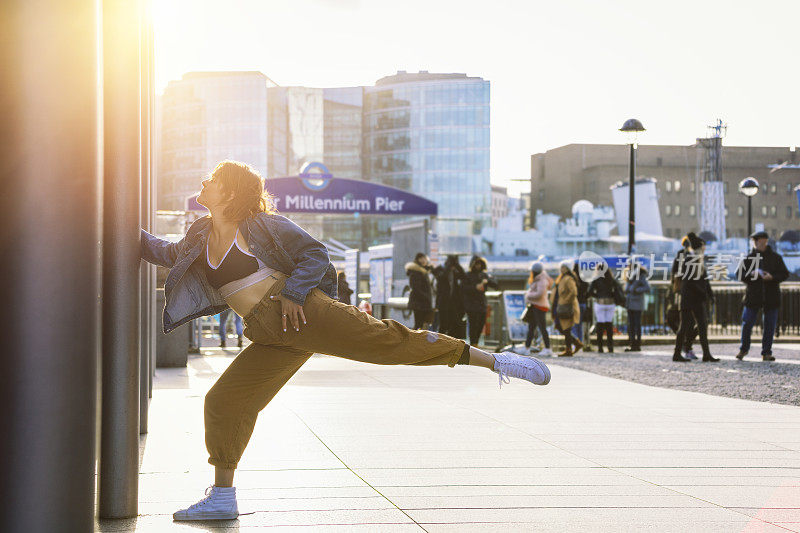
(749, 188)
(632, 127)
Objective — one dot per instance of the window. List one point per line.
(726, 212)
(788, 187)
(668, 209)
(740, 210)
(659, 161)
(691, 186)
(677, 211)
(677, 186)
(773, 210)
(788, 211)
(773, 188)
(668, 186)
(763, 210)
(692, 210)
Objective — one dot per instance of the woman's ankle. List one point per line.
(479, 357)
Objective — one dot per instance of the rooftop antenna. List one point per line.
(712, 214)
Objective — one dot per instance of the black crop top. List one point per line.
(235, 264)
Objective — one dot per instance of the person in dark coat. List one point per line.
(475, 284)
(762, 271)
(420, 299)
(449, 300)
(636, 286)
(345, 293)
(695, 294)
(674, 309)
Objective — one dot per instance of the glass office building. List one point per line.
(323, 125)
(429, 134)
(207, 117)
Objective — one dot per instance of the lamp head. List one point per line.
(631, 129)
(748, 186)
(632, 125)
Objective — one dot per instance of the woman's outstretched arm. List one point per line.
(159, 251)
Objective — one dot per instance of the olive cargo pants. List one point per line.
(257, 374)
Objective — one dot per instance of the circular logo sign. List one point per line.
(315, 176)
(591, 266)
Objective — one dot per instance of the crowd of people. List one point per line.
(453, 301)
(460, 301)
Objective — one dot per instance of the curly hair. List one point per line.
(247, 186)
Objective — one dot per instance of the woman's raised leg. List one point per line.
(342, 330)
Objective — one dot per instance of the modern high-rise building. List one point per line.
(429, 134)
(207, 117)
(307, 124)
(318, 125)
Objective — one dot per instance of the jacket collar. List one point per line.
(416, 267)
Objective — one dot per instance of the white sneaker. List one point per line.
(546, 351)
(521, 350)
(509, 365)
(219, 504)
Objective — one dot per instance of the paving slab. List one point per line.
(349, 446)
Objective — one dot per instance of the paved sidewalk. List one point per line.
(354, 447)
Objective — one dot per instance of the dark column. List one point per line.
(147, 291)
(632, 201)
(50, 245)
(153, 196)
(119, 454)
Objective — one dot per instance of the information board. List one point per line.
(514, 305)
(351, 263)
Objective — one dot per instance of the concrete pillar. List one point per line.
(146, 270)
(50, 245)
(119, 452)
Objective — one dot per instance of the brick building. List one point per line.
(564, 175)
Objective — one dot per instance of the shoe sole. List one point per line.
(208, 516)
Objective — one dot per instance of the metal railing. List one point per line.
(724, 314)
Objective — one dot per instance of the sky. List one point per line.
(561, 71)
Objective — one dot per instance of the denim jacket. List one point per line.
(277, 241)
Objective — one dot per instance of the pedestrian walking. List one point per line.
(223, 333)
(538, 304)
(673, 317)
(345, 293)
(566, 311)
(583, 303)
(476, 281)
(449, 298)
(674, 310)
(695, 295)
(636, 287)
(762, 272)
(420, 299)
(280, 279)
(607, 294)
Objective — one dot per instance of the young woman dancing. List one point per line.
(281, 281)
